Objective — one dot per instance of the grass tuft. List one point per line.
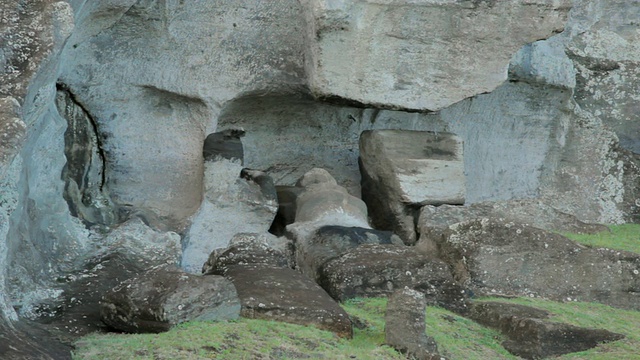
(620, 237)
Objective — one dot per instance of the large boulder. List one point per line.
(164, 297)
(330, 242)
(496, 257)
(380, 53)
(404, 170)
(379, 270)
(531, 336)
(283, 294)
(236, 200)
(404, 325)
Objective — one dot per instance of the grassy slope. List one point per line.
(621, 237)
(457, 337)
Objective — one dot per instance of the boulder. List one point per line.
(377, 53)
(496, 257)
(330, 242)
(379, 270)
(283, 294)
(236, 200)
(251, 249)
(531, 336)
(23, 341)
(405, 327)
(404, 170)
(434, 220)
(164, 297)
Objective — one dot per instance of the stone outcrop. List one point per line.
(495, 257)
(379, 270)
(404, 170)
(379, 52)
(164, 297)
(236, 200)
(405, 328)
(531, 336)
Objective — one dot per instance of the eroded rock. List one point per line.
(164, 297)
(404, 170)
(405, 328)
(491, 256)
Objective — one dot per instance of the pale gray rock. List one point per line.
(380, 53)
(231, 205)
(404, 170)
(164, 297)
(405, 328)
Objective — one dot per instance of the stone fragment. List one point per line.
(164, 297)
(283, 294)
(236, 200)
(405, 327)
(20, 341)
(376, 52)
(379, 270)
(330, 242)
(533, 337)
(251, 249)
(496, 257)
(404, 170)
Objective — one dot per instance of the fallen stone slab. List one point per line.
(166, 296)
(531, 335)
(404, 170)
(380, 270)
(495, 257)
(26, 341)
(283, 294)
(405, 328)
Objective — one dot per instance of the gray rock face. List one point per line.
(405, 328)
(404, 170)
(531, 336)
(374, 52)
(232, 205)
(164, 297)
(492, 257)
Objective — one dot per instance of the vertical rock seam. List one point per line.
(84, 173)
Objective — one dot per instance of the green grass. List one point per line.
(620, 237)
(457, 337)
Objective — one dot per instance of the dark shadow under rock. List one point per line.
(379, 270)
(163, 297)
(283, 294)
(531, 335)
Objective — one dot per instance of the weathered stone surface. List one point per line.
(28, 342)
(434, 220)
(403, 170)
(236, 200)
(283, 294)
(379, 270)
(164, 297)
(330, 242)
(251, 249)
(404, 325)
(490, 256)
(531, 337)
(374, 52)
